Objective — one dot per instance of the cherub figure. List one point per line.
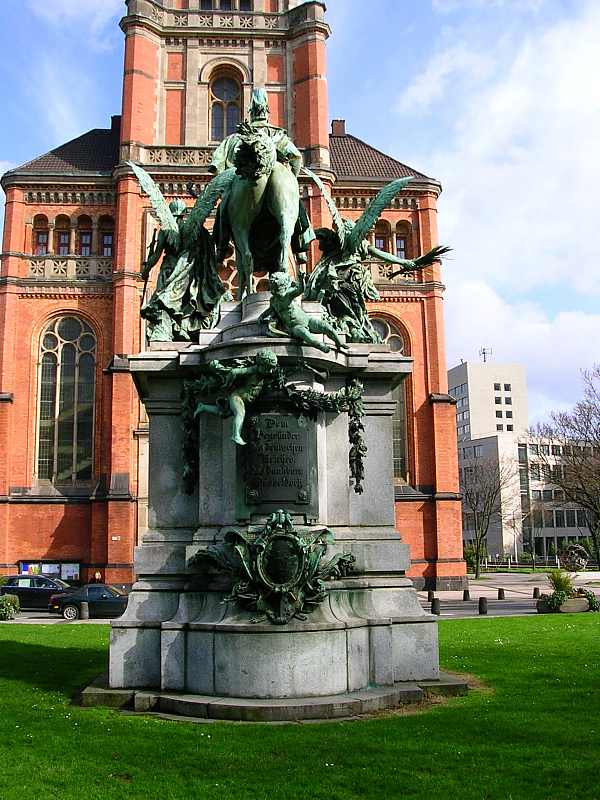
(341, 281)
(236, 387)
(288, 318)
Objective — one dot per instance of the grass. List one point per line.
(534, 733)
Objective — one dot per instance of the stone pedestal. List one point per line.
(178, 634)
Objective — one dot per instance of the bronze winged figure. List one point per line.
(341, 281)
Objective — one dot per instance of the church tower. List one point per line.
(191, 65)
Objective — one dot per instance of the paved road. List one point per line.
(496, 608)
(44, 618)
(518, 588)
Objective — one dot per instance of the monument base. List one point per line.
(183, 646)
(241, 709)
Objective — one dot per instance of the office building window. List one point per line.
(509, 414)
(498, 415)
(497, 387)
(507, 387)
(509, 428)
(499, 427)
(498, 400)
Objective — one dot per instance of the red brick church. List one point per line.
(73, 438)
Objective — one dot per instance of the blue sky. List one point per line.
(499, 99)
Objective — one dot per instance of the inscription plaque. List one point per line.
(278, 464)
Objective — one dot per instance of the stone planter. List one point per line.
(575, 605)
(543, 607)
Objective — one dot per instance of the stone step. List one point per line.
(341, 706)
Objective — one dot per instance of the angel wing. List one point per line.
(207, 201)
(338, 222)
(168, 223)
(373, 212)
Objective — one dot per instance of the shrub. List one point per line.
(9, 606)
(561, 581)
(470, 556)
(3, 580)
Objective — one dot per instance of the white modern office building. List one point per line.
(492, 425)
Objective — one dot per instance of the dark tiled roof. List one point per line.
(353, 158)
(93, 152)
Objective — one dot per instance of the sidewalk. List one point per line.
(516, 585)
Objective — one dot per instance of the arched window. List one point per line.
(382, 236)
(225, 107)
(41, 233)
(402, 239)
(392, 337)
(67, 377)
(62, 235)
(107, 236)
(84, 235)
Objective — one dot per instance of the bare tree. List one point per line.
(577, 432)
(529, 523)
(486, 483)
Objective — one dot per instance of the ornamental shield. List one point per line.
(281, 562)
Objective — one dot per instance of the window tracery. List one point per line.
(67, 376)
(225, 107)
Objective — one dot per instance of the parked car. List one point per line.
(33, 591)
(103, 601)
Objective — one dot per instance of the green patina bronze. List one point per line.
(188, 290)
(236, 388)
(341, 281)
(261, 210)
(279, 573)
(286, 317)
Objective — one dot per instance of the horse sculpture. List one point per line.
(263, 188)
(261, 211)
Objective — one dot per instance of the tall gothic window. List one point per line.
(225, 107)
(66, 401)
(392, 337)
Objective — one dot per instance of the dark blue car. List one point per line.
(103, 601)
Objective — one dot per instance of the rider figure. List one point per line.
(287, 153)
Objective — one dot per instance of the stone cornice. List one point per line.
(26, 287)
(76, 180)
(354, 182)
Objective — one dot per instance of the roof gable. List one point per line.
(96, 151)
(353, 158)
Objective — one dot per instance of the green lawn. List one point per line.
(535, 735)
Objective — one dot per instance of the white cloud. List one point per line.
(520, 164)
(523, 169)
(62, 112)
(95, 16)
(450, 6)
(458, 62)
(555, 349)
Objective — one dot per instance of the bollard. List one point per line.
(483, 605)
(466, 594)
(435, 606)
(501, 595)
(430, 595)
(536, 592)
(84, 611)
